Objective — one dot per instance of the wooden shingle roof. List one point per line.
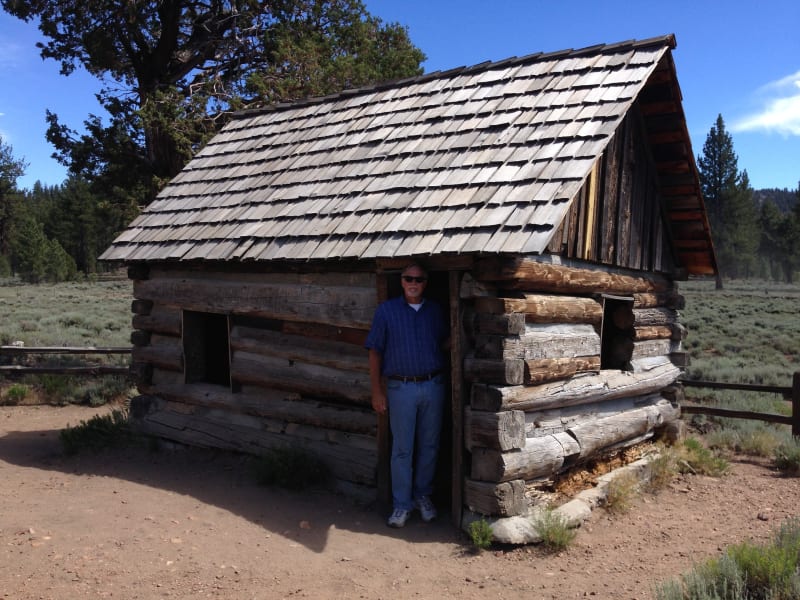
(484, 159)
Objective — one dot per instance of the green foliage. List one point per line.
(15, 394)
(745, 572)
(5, 267)
(694, 457)
(290, 468)
(729, 201)
(621, 493)
(29, 247)
(164, 106)
(662, 469)
(480, 532)
(554, 530)
(96, 434)
(787, 457)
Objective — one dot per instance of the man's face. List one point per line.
(413, 281)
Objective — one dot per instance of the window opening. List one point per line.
(206, 348)
(617, 333)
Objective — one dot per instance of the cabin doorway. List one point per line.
(438, 290)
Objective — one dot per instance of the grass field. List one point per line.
(748, 332)
(80, 314)
(66, 314)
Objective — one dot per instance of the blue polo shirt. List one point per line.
(409, 341)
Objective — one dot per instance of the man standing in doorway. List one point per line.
(406, 362)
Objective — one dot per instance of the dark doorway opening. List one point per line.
(438, 290)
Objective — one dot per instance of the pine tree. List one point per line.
(729, 201)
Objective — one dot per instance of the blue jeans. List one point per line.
(415, 418)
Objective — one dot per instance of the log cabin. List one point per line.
(554, 199)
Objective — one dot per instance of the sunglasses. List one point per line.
(409, 279)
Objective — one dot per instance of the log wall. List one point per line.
(297, 373)
(539, 401)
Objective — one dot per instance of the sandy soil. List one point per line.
(193, 524)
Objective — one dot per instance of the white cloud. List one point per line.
(780, 111)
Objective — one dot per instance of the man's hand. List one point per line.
(379, 402)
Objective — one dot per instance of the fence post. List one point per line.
(796, 404)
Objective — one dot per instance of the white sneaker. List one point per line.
(426, 509)
(398, 518)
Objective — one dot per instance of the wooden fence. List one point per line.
(86, 369)
(790, 393)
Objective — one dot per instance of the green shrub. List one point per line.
(745, 572)
(621, 493)
(662, 469)
(693, 457)
(554, 530)
(480, 532)
(290, 468)
(787, 457)
(98, 433)
(15, 394)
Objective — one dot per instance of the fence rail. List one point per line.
(87, 369)
(789, 393)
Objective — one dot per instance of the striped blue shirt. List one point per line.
(409, 341)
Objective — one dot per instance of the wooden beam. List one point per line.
(458, 398)
(525, 273)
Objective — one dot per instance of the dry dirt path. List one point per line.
(193, 524)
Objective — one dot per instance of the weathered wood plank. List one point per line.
(668, 299)
(541, 457)
(552, 369)
(140, 337)
(502, 431)
(545, 308)
(500, 499)
(360, 279)
(541, 341)
(646, 348)
(526, 273)
(646, 317)
(654, 332)
(594, 435)
(301, 377)
(507, 324)
(332, 305)
(161, 319)
(546, 455)
(337, 355)
(164, 351)
(581, 389)
(556, 420)
(271, 403)
(141, 307)
(489, 370)
(346, 455)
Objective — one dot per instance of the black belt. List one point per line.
(415, 378)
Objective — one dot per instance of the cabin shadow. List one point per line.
(222, 479)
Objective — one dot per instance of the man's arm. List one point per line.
(376, 383)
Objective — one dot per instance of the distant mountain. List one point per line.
(784, 199)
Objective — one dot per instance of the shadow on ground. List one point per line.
(218, 478)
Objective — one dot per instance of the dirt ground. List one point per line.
(193, 524)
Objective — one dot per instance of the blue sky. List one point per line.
(737, 58)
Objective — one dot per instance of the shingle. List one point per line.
(461, 162)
